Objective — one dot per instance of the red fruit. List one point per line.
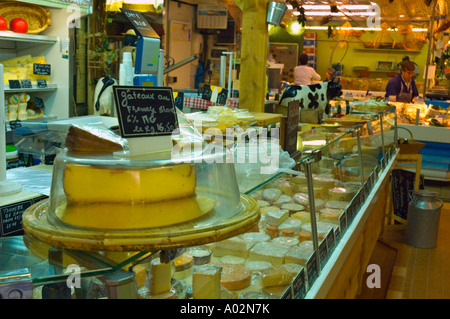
(19, 25)
(3, 24)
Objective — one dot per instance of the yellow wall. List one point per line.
(355, 57)
(366, 57)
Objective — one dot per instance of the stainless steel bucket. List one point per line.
(275, 12)
(424, 211)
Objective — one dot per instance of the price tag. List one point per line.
(145, 111)
(323, 253)
(337, 235)
(343, 221)
(287, 294)
(331, 242)
(42, 69)
(312, 269)
(26, 84)
(290, 144)
(11, 217)
(14, 84)
(299, 285)
(41, 84)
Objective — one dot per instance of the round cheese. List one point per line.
(270, 194)
(330, 214)
(230, 259)
(235, 276)
(339, 204)
(292, 207)
(325, 182)
(257, 266)
(341, 194)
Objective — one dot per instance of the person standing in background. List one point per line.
(303, 73)
(403, 86)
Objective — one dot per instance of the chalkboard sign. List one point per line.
(402, 185)
(41, 84)
(299, 285)
(140, 24)
(42, 69)
(215, 94)
(312, 269)
(11, 216)
(38, 102)
(323, 253)
(14, 84)
(330, 241)
(26, 84)
(145, 111)
(290, 144)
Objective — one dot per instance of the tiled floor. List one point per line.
(422, 273)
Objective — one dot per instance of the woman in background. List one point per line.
(403, 86)
(303, 73)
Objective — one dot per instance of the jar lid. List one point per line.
(424, 192)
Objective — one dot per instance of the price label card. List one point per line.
(14, 84)
(145, 111)
(312, 269)
(337, 235)
(323, 253)
(299, 285)
(343, 221)
(41, 84)
(287, 294)
(331, 241)
(26, 84)
(42, 69)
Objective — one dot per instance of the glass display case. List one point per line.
(304, 214)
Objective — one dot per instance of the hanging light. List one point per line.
(295, 28)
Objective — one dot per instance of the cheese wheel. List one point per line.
(266, 209)
(286, 242)
(230, 259)
(257, 266)
(340, 194)
(292, 208)
(300, 254)
(283, 199)
(266, 251)
(305, 217)
(235, 276)
(270, 194)
(301, 199)
(320, 181)
(254, 237)
(339, 204)
(276, 276)
(291, 223)
(293, 269)
(330, 214)
(319, 192)
(299, 179)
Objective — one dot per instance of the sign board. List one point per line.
(26, 84)
(42, 69)
(402, 185)
(140, 24)
(290, 144)
(145, 111)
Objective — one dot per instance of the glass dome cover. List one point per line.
(113, 192)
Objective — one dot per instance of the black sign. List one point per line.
(38, 102)
(299, 285)
(26, 84)
(290, 144)
(42, 69)
(343, 221)
(145, 111)
(312, 269)
(330, 241)
(14, 84)
(140, 24)
(402, 185)
(41, 84)
(11, 216)
(323, 253)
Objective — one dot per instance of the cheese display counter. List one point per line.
(294, 235)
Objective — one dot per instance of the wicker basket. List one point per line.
(38, 18)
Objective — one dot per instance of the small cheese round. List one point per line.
(339, 204)
(235, 276)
